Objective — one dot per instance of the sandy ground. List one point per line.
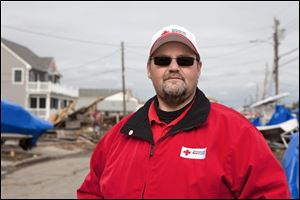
(52, 179)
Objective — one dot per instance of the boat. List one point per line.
(17, 122)
(269, 100)
(279, 133)
(276, 122)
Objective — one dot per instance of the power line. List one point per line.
(225, 45)
(293, 29)
(292, 60)
(291, 73)
(68, 38)
(202, 47)
(93, 61)
(289, 84)
(60, 37)
(242, 63)
(292, 22)
(136, 53)
(94, 74)
(109, 44)
(289, 52)
(241, 49)
(137, 46)
(232, 52)
(283, 11)
(135, 69)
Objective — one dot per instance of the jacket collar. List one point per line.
(139, 126)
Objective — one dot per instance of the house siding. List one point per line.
(12, 92)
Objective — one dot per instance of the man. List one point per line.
(179, 145)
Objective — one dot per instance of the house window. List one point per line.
(56, 79)
(54, 103)
(65, 103)
(33, 102)
(42, 102)
(31, 76)
(50, 78)
(18, 76)
(43, 77)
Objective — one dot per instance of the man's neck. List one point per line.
(169, 108)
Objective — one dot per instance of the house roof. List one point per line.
(84, 92)
(36, 62)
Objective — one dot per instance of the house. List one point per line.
(88, 95)
(32, 81)
(112, 103)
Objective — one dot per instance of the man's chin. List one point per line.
(174, 91)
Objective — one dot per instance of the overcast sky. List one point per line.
(84, 39)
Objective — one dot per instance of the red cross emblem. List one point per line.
(186, 152)
(165, 32)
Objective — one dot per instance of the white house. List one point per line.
(112, 103)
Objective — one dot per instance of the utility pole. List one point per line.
(257, 92)
(265, 82)
(276, 58)
(123, 79)
(277, 36)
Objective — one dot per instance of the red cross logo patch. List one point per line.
(193, 153)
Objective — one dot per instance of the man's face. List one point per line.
(174, 83)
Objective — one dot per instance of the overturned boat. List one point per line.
(280, 127)
(276, 123)
(16, 122)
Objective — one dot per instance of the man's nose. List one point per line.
(173, 65)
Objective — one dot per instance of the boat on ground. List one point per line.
(17, 122)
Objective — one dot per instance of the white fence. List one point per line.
(48, 87)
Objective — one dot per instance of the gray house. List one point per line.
(32, 81)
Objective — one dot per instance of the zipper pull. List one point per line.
(151, 150)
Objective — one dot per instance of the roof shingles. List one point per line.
(36, 62)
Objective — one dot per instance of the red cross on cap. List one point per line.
(165, 32)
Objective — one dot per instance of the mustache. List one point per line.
(173, 75)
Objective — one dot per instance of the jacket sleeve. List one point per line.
(90, 188)
(253, 171)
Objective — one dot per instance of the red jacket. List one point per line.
(213, 152)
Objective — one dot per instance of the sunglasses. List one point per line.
(184, 61)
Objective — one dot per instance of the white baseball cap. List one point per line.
(173, 33)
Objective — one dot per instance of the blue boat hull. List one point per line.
(15, 119)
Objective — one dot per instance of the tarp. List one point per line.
(256, 121)
(280, 115)
(296, 112)
(290, 164)
(15, 119)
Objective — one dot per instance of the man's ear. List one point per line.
(199, 67)
(148, 71)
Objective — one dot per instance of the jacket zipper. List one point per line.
(151, 150)
(150, 155)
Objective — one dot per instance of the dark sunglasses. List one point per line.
(184, 61)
